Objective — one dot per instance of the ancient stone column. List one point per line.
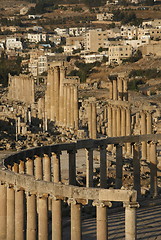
(149, 131)
(103, 167)
(110, 91)
(109, 121)
(68, 106)
(76, 112)
(136, 167)
(101, 220)
(153, 170)
(125, 93)
(38, 168)
(56, 219)
(51, 98)
(43, 218)
(65, 105)
(56, 167)
(56, 91)
(119, 164)
(114, 125)
(130, 221)
(72, 167)
(89, 167)
(123, 122)
(72, 106)
(89, 110)
(120, 88)
(19, 215)
(118, 116)
(115, 94)
(31, 217)
(75, 221)
(10, 213)
(47, 168)
(143, 131)
(94, 121)
(29, 166)
(128, 130)
(3, 211)
(15, 168)
(61, 95)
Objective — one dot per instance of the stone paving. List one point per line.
(148, 225)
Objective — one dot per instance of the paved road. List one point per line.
(148, 225)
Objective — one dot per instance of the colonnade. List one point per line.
(31, 187)
(118, 88)
(61, 97)
(21, 88)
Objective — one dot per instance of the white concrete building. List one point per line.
(37, 37)
(13, 44)
(118, 53)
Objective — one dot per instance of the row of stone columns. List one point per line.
(15, 224)
(118, 88)
(61, 98)
(119, 121)
(136, 149)
(21, 88)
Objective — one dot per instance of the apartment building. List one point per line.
(94, 39)
(119, 52)
(13, 44)
(37, 37)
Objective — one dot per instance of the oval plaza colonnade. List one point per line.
(30, 188)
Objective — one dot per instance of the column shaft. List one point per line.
(47, 168)
(103, 167)
(102, 223)
(136, 168)
(30, 167)
(72, 167)
(153, 170)
(130, 223)
(56, 167)
(38, 168)
(43, 219)
(89, 167)
(56, 220)
(3, 211)
(76, 113)
(10, 214)
(31, 217)
(119, 164)
(19, 215)
(76, 221)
